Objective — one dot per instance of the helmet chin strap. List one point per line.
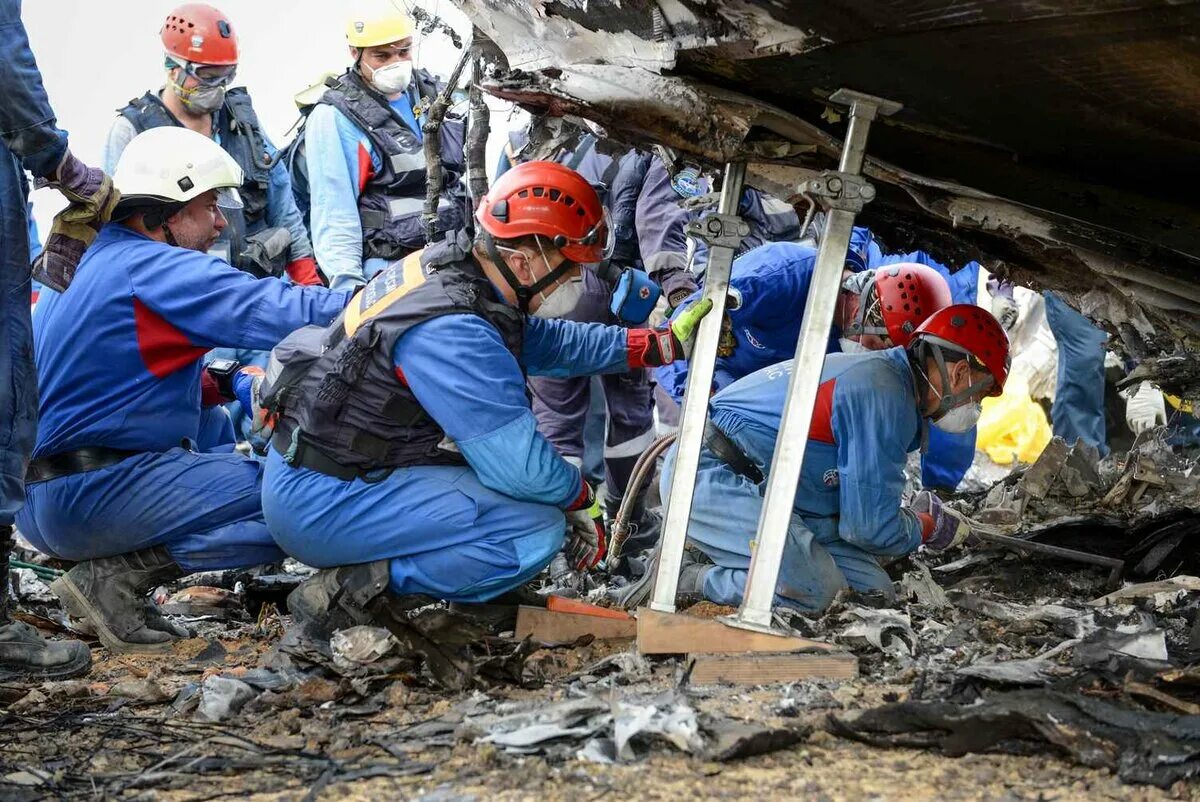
(524, 292)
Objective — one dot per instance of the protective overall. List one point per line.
(769, 291)
(947, 457)
(148, 312)
(847, 509)
(30, 140)
(449, 478)
(648, 222)
(359, 170)
(1078, 408)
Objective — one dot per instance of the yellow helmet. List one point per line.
(379, 22)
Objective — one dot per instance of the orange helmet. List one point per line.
(969, 328)
(198, 33)
(897, 301)
(553, 201)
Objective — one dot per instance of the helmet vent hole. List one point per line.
(580, 212)
(569, 200)
(523, 193)
(555, 194)
(539, 192)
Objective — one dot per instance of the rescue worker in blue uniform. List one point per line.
(949, 455)
(266, 236)
(870, 412)
(405, 459)
(647, 224)
(768, 291)
(360, 163)
(122, 479)
(31, 141)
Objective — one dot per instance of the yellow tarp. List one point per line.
(1013, 425)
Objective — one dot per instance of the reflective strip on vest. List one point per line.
(402, 207)
(362, 308)
(408, 162)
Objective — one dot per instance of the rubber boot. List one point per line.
(111, 594)
(24, 653)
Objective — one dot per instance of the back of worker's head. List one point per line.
(380, 35)
(175, 181)
(961, 355)
(883, 308)
(201, 53)
(537, 224)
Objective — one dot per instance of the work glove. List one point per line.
(92, 200)
(1005, 311)
(1145, 408)
(587, 541)
(941, 526)
(653, 348)
(304, 271)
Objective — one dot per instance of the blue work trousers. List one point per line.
(1078, 408)
(205, 508)
(446, 535)
(816, 562)
(18, 378)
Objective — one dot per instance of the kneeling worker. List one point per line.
(405, 450)
(870, 413)
(118, 480)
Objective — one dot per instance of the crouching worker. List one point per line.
(870, 413)
(405, 458)
(119, 481)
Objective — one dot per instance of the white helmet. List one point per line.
(173, 165)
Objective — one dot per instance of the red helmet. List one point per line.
(969, 328)
(198, 33)
(550, 200)
(908, 294)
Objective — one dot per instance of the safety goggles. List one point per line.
(205, 74)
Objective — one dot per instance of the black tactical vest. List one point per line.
(391, 202)
(350, 402)
(241, 137)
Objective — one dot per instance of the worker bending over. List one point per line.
(266, 235)
(768, 293)
(121, 480)
(871, 411)
(405, 458)
(363, 162)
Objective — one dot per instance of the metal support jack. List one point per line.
(843, 194)
(723, 233)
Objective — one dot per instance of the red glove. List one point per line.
(304, 271)
(210, 393)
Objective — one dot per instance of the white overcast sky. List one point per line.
(96, 55)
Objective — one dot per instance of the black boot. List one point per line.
(111, 594)
(24, 654)
(337, 598)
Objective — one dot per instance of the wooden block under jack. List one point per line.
(761, 669)
(547, 626)
(675, 633)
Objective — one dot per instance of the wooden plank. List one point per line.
(561, 604)
(674, 633)
(547, 626)
(761, 669)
